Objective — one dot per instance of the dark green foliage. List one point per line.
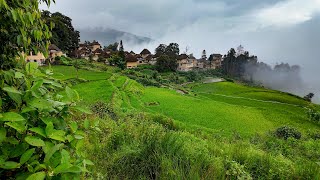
(33, 122)
(286, 132)
(166, 64)
(308, 97)
(103, 110)
(63, 33)
(113, 47)
(314, 115)
(21, 31)
(118, 61)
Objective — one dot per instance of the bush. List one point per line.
(314, 115)
(103, 110)
(286, 132)
(35, 137)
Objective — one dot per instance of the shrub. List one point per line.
(35, 138)
(286, 132)
(102, 110)
(314, 116)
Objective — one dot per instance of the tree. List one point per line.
(33, 126)
(63, 33)
(309, 97)
(166, 64)
(160, 50)
(21, 31)
(118, 61)
(172, 50)
(113, 47)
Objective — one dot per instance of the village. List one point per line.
(95, 52)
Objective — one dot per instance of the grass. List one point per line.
(218, 131)
(69, 72)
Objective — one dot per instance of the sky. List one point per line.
(274, 30)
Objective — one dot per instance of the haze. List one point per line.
(274, 30)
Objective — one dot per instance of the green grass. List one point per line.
(69, 72)
(209, 134)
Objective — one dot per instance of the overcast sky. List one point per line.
(274, 30)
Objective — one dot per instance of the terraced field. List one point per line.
(223, 107)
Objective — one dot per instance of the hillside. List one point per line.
(216, 130)
(107, 36)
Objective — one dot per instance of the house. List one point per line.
(140, 59)
(86, 49)
(38, 58)
(54, 51)
(95, 45)
(132, 61)
(185, 63)
(217, 61)
(151, 59)
(145, 53)
(96, 54)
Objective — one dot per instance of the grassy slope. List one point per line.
(224, 107)
(227, 107)
(141, 147)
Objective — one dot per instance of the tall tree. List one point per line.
(21, 30)
(172, 50)
(63, 33)
(166, 64)
(160, 50)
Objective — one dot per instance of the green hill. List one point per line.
(219, 130)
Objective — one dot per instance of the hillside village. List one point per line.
(94, 51)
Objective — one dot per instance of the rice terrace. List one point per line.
(82, 100)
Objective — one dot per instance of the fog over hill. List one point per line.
(107, 36)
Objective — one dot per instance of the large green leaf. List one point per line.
(11, 90)
(32, 67)
(3, 133)
(12, 117)
(10, 165)
(41, 104)
(19, 126)
(26, 156)
(15, 97)
(73, 126)
(72, 94)
(39, 131)
(81, 109)
(58, 135)
(37, 176)
(65, 157)
(37, 85)
(53, 150)
(34, 141)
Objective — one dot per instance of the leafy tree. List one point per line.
(309, 97)
(36, 141)
(118, 61)
(21, 31)
(165, 64)
(161, 50)
(63, 33)
(113, 47)
(172, 50)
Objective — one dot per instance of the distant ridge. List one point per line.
(107, 36)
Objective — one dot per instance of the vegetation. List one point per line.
(63, 33)
(37, 141)
(166, 64)
(217, 130)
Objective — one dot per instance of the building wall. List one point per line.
(39, 58)
(132, 65)
(95, 47)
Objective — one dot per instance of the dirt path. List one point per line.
(213, 80)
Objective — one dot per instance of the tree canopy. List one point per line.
(166, 64)
(21, 30)
(63, 33)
